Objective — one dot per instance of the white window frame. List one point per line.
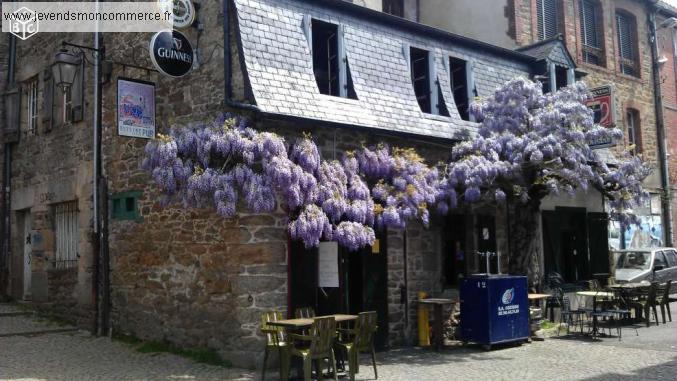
(32, 106)
(66, 234)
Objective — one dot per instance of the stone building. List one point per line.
(610, 42)
(195, 279)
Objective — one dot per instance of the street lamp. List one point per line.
(64, 69)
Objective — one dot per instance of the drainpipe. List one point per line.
(7, 172)
(97, 277)
(660, 124)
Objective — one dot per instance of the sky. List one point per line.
(671, 2)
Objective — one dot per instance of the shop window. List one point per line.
(547, 15)
(330, 64)
(394, 7)
(590, 13)
(634, 131)
(125, 206)
(66, 232)
(424, 79)
(626, 31)
(31, 106)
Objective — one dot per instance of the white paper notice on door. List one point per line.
(327, 267)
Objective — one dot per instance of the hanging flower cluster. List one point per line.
(531, 144)
(219, 164)
(403, 187)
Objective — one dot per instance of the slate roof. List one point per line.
(279, 66)
(552, 49)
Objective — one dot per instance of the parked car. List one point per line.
(657, 264)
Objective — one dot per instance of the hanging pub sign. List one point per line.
(171, 53)
(136, 108)
(602, 104)
(182, 12)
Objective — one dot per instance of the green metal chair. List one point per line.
(275, 338)
(304, 313)
(664, 301)
(320, 346)
(360, 339)
(648, 304)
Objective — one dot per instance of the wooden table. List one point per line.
(594, 295)
(307, 322)
(437, 305)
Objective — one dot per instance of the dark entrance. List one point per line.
(363, 284)
(454, 244)
(575, 243)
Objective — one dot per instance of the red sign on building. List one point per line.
(602, 104)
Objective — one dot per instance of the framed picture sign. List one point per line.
(136, 108)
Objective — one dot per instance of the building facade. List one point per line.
(196, 279)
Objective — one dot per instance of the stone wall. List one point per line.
(50, 167)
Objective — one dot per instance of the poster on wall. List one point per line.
(327, 267)
(602, 104)
(136, 108)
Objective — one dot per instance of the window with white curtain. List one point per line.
(32, 107)
(66, 232)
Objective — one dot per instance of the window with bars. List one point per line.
(627, 43)
(591, 32)
(394, 7)
(634, 132)
(66, 232)
(547, 15)
(32, 107)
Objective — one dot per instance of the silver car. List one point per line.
(652, 265)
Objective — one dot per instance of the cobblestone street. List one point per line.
(58, 352)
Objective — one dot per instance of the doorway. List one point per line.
(565, 239)
(363, 284)
(27, 251)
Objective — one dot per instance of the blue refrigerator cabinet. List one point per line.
(494, 309)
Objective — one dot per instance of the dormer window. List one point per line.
(330, 63)
(425, 82)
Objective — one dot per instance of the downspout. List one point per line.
(7, 173)
(660, 125)
(96, 175)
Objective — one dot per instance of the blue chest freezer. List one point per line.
(494, 309)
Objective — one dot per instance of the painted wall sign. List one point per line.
(171, 53)
(182, 11)
(602, 104)
(136, 108)
(327, 267)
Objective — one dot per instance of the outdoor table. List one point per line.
(437, 312)
(305, 323)
(539, 299)
(594, 295)
(628, 291)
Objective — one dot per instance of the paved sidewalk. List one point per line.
(75, 356)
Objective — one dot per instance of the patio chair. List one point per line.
(275, 338)
(664, 301)
(360, 339)
(571, 317)
(320, 346)
(304, 312)
(646, 305)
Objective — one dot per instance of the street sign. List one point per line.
(602, 104)
(171, 53)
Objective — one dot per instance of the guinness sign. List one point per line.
(171, 53)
